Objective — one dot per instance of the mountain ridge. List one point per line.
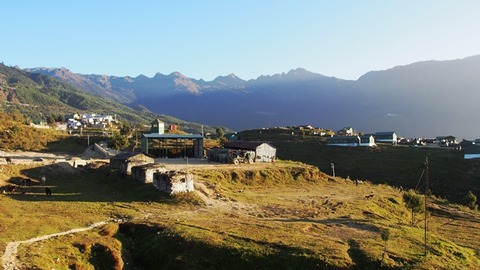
(420, 99)
(38, 96)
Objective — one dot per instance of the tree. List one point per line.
(385, 234)
(414, 202)
(60, 118)
(470, 200)
(220, 132)
(17, 115)
(126, 129)
(118, 142)
(50, 119)
(15, 129)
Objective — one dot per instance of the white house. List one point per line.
(96, 119)
(343, 141)
(367, 140)
(346, 131)
(386, 137)
(74, 124)
(264, 152)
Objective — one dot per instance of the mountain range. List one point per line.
(423, 99)
(39, 96)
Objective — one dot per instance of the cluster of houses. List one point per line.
(142, 166)
(76, 120)
(348, 137)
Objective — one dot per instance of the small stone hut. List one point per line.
(125, 161)
(144, 173)
(173, 182)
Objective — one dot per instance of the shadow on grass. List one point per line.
(359, 224)
(453, 215)
(84, 184)
(156, 247)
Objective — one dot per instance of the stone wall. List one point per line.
(173, 182)
(145, 173)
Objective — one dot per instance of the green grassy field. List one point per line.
(450, 176)
(285, 215)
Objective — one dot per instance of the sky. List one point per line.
(250, 38)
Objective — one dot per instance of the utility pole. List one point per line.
(427, 190)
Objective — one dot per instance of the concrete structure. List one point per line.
(173, 182)
(125, 161)
(386, 137)
(263, 151)
(144, 173)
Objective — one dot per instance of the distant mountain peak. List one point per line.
(301, 73)
(233, 76)
(230, 76)
(231, 80)
(298, 74)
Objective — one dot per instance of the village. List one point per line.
(171, 164)
(160, 146)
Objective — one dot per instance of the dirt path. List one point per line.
(8, 258)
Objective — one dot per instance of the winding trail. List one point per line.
(8, 258)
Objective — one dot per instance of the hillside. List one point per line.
(424, 99)
(16, 135)
(451, 176)
(269, 216)
(38, 96)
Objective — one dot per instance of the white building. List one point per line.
(386, 137)
(263, 151)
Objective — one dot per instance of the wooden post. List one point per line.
(427, 190)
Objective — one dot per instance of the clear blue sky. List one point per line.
(205, 39)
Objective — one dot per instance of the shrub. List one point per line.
(414, 202)
(470, 200)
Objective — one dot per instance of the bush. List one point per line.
(470, 200)
(414, 202)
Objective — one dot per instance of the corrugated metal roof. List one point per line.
(172, 136)
(472, 149)
(385, 133)
(244, 145)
